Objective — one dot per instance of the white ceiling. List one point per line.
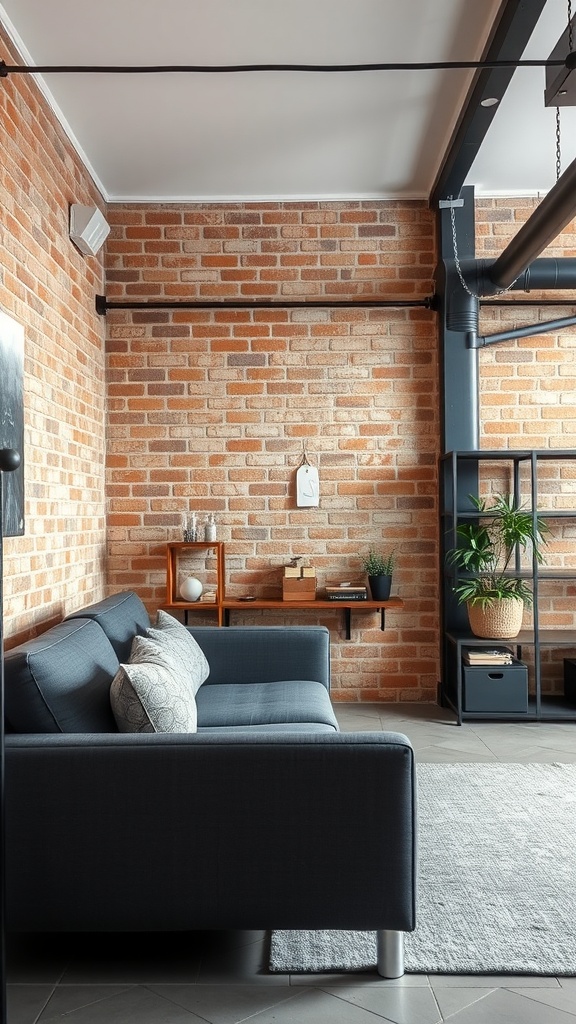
(286, 135)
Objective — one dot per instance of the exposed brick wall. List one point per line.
(46, 285)
(208, 410)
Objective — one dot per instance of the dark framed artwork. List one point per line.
(12, 420)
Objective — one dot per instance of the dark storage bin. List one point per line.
(495, 688)
(570, 679)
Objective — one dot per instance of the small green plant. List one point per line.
(487, 550)
(378, 564)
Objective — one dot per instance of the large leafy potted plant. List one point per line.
(493, 588)
(379, 568)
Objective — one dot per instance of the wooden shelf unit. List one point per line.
(174, 552)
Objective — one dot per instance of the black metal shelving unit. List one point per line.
(460, 476)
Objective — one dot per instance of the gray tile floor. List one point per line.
(221, 978)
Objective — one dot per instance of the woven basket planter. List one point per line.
(501, 620)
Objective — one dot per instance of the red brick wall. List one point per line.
(208, 410)
(47, 286)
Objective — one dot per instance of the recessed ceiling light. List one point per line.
(490, 101)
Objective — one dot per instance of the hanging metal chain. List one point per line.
(558, 145)
(456, 256)
(558, 136)
(497, 291)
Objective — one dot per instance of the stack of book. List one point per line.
(347, 593)
(487, 656)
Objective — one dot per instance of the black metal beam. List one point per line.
(459, 363)
(561, 82)
(512, 29)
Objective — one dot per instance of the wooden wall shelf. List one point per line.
(347, 607)
(223, 606)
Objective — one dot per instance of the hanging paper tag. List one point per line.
(307, 486)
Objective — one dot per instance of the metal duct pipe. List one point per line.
(547, 272)
(480, 341)
(462, 305)
(555, 211)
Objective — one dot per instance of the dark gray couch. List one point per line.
(267, 817)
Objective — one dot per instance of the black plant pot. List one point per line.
(380, 587)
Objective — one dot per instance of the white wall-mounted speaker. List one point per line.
(88, 228)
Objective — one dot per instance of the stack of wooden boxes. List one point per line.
(299, 583)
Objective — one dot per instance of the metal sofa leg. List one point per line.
(390, 953)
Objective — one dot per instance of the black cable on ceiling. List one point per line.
(144, 69)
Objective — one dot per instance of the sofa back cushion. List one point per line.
(60, 681)
(121, 616)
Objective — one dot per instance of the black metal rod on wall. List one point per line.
(528, 302)
(103, 304)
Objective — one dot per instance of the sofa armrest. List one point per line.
(151, 832)
(264, 654)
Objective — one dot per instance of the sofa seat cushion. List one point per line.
(286, 701)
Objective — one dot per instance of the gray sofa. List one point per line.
(266, 817)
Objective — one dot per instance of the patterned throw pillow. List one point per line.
(146, 697)
(181, 647)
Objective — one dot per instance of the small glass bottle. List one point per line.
(190, 526)
(210, 528)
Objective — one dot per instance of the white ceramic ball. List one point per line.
(191, 589)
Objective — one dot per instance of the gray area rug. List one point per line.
(497, 879)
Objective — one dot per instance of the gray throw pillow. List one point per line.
(147, 698)
(145, 650)
(181, 647)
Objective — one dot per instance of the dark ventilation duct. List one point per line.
(555, 211)
(463, 303)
